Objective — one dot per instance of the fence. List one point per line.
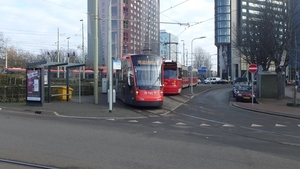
(13, 88)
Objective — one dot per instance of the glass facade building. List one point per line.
(223, 30)
(168, 46)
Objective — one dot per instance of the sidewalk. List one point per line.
(88, 109)
(274, 106)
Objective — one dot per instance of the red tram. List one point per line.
(173, 83)
(139, 82)
(177, 77)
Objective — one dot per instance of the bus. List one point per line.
(172, 77)
(139, 82)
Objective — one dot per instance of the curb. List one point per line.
(265, 112)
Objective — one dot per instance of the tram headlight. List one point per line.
(136, 92)
(174, 83)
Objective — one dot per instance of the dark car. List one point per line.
(235, 87)
(222, 81)
(240, 79)
(244, 93)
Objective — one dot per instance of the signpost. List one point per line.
(252, 69)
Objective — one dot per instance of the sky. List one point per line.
(32, 25)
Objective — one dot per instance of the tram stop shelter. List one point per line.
(37, 79)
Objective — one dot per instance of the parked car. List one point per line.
(244, 93)
(240, 79)
(215, 80)
(207, 80)
(235, 87)
(199, 81)
(222, 81)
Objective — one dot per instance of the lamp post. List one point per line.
(210, 73)
(109, 61)
(183, 63)
(186, 57)
(191, 67)
(68, 49)
(83, 55)
(96, 54)
(68, 55)
(58, 59)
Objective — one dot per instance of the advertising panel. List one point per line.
(33, 80)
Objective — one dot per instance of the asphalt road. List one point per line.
(205, 132)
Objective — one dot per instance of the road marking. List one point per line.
(183, 124)
(204, 125)
(298, 125)
(228, 125)
(132, 121)
(111, 119)
(280, 125)
(256, 125)
(157, 122)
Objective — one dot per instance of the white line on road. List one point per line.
(180, 123)
(204, 125)
(228, 125)
(280, 125)
(133, 121)
(256, 125)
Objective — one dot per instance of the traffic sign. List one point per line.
(202, 69)
(252, 68)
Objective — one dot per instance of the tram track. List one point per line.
(21, 165)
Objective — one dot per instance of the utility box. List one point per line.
(63, 90)
(267, 84)
(113, 95)
(104, 85)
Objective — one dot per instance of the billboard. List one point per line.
(33, 85)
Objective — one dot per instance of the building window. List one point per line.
(223, 2)
(125, 49)
(125, 24)
(125, 11)
(125, 36)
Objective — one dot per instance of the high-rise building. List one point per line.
(168, 46)
(224, 18)
(135, 28)
(230, 14)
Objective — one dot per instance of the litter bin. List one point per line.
(63, 90)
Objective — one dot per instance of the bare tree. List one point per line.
(15, 58)
(202, 59)
(266, 36)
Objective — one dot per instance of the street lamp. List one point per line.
(65, 68)
(210, 73)
(68, 49)
(186, 57)
(109, 61)
(191, 68)
(182, 61)
(83, 58)
(192, 46)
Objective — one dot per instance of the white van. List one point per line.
(214, 80)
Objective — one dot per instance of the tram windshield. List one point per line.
(170, 73)
(147, 70)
